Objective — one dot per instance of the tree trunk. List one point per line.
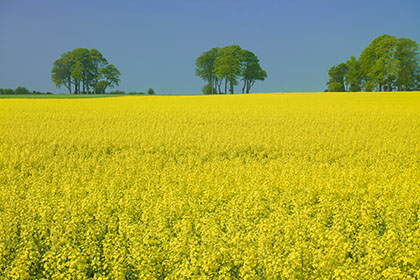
(225, 85)
(69, 86)
(213, 86)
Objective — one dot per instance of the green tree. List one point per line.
(101, 87)
(386, 64)
(227, 66)
(379, 64)
(84, 69)
(81, 56)
(77, 75)
(337, 75)
(207, 89)
(353, 77)
(61, 72)
(150, 91)
(7, 91)
(22, 90)
(336, 87)
(204, 68)
(96, 63)
(251, 70)
(407, 53)
(111, 75)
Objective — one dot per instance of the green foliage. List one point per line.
(117, 92)
(388, 63)
(407, 54)
(111, 75)
(353, 77)
(251, 70)
(226, 65)
(22, 90)
(204, 68)
(336, 87)
(337, 75)
(7, 91)
(41, 93)
(61, 72)
(379, 64)
(84, 69)
(207, 89)
(150, 91)
(101, 86)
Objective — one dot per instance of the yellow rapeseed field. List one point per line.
(273, 186)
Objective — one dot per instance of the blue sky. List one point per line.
(155, 43)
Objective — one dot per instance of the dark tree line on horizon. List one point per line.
(222, 67)
(388, 63)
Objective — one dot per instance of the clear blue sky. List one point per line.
(155, 43)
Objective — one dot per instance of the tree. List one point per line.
(386, 64)
(407, 53)
(84, 69)
(61, 72)
(227, 66)
(81, 56)
(111, 75)
(337, 75)
(101, 87)
(150, 91)
(96, 62)
(22, 90)
(336, 87)
(353, 78)
(207, 89)
(204, 68)
(77, 75)
(251, 70)
(7, 91)
(379, 65)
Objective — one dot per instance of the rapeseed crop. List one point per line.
(279, 186)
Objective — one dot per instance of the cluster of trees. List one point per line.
(85, 71)
(227, 65)
(20, 91)
(387, 64)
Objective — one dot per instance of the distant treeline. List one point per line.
(25, 91)
(20, 91)
(116, 92)
(387, 64)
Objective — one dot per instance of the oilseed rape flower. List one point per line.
(273, 186)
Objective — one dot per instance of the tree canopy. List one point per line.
(388, 63)
(85, 71)
(226, 65)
